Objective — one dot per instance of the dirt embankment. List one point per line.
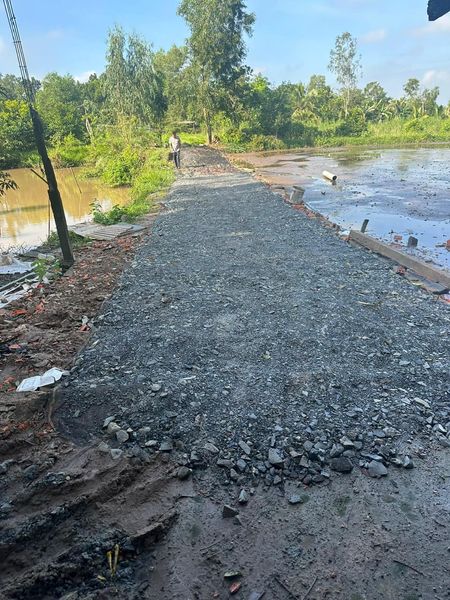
(247, 356)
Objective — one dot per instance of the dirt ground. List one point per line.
(204, 354)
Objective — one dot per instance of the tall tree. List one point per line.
(216, 47)
(59, 103)
(345, 63)
(134, 88)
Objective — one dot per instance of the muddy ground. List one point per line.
(246, 348)
(402, 192)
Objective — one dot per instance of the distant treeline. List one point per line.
(206, 87)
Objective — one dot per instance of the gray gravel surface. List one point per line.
(247, 335)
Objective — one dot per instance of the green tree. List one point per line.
(216, 48)
(345, 63)
(93, 103)
(133, 86)
(11, 87)
(60, 104)
(375, 102)
(16, 132)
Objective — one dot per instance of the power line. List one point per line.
(53, 191)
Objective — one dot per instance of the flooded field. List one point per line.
(402, 192)
(25, 218)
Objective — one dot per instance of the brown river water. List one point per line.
(403, 192)
(25, 217)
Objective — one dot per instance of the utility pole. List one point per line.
(53, 191)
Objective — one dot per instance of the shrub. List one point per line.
(266, 142)
(353, 126)
(120, 169)
(70, 152)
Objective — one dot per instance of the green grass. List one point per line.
(147, 185)
(395, 132)
(76, 240)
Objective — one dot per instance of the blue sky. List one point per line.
(291, 41)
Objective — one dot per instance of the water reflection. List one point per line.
(25, 217)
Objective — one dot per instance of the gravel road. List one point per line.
(247, 359)
(241, 320)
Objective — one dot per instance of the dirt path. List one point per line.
(249, 345)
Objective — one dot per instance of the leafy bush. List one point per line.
(70, 152)
(107, 217)
(266, 142)
(120, 169)
(354, 125)
(76, 240)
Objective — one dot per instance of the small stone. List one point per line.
(346, 442)
(241, 465)
(440, 429)
(377, 469)
(275, 457)
(234, 475)
(379, 433)
(296, 499)
(224, 462)
(116, 453)
(183, 473)
(407, 463)
(243, 497)
(103, 447)
(107, 421)
(277, 480)
(232, 574)
(228, 512)
(151, 444)
(308, 446)
(245, 448)
(421, 402)
(156, 387)
(112, 428)
(342, 464)
(122, 436)
(404, 363)
(211, 448)
(336, 450)
(166, 446)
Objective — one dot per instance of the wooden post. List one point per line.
(364, 225)
(53, 191)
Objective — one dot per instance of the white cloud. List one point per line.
(83, 77)
(2, 45)
(374, 37)
(434, 28)
(434, 77)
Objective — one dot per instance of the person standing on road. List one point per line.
(175, 148)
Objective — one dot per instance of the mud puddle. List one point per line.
(402, 192)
